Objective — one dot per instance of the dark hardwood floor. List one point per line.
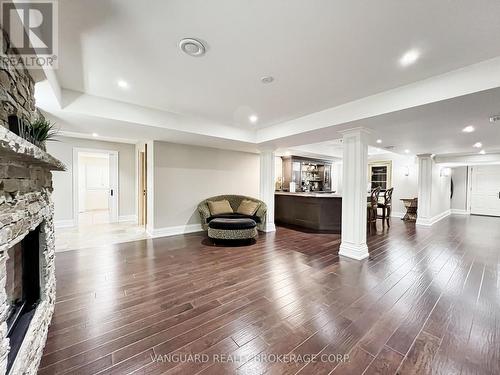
(426, 301)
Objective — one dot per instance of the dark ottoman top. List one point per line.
(220, 223)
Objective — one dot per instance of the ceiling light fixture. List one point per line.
(468, 129)
(482, 152)
(95, 135)
(267, 79)
(192, 47)
(123, 84)
(494, 118)
(409, 57)
(407, 151)
(477, 145)
(253, 119)
(379, 141)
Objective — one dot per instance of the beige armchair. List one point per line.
(234, 201)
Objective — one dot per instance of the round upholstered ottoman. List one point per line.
(232, 229)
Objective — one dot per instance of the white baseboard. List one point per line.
(270, 227)
(398, 215)
(173, 231)
(455, 211)
(353, 251)
(68, 223)
(127, 218)
(433, 220)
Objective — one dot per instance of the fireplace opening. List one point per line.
(22, 288)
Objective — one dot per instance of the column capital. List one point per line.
(425, 156)
(266, 148)
(355, 131)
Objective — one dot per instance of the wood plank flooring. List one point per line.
(427, 301)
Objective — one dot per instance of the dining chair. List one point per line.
(386, 207)
(371, 213)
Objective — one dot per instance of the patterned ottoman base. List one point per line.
(232, 229)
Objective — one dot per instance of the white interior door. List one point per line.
(113, 187)
(485, 190)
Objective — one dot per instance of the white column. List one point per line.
(425, 165)
(354, 193)
(267, 186)
(337, 177)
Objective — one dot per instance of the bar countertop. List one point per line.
(310, 195)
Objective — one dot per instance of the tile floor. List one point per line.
(92, 235)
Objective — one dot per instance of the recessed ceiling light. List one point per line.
(468, 129)
(192, 47)
(477, 145)
(409, 57)
(253, 119)
(407, 151)
(95, 135)
(379, 141)
(267, 79)
(123, 84)
(482, 152)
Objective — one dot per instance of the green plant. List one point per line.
(42, 130)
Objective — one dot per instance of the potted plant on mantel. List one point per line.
(40, 131)
(37, 132)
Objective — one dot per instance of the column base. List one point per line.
(353, 251)
(269, 227)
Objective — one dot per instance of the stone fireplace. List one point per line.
(27, 274)
(27, 250)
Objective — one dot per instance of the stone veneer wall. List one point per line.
(16, 89)
(25, 203)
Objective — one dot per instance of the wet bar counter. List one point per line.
(315, 211)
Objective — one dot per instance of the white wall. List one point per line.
(337, 177)
(441, 190)
(404, 186)
(63, 181)
(459, 200)
(185, 175)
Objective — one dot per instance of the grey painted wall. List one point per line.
(441, 190)
(185, 175)
(63, 181)
(459, 200)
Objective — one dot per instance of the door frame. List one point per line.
(113, 182)
(142, 205)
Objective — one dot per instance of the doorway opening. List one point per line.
(95, 186)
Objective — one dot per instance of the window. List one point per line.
(380, 173)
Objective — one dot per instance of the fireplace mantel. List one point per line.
(16, 148)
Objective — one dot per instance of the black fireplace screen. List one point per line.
(22, 288)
